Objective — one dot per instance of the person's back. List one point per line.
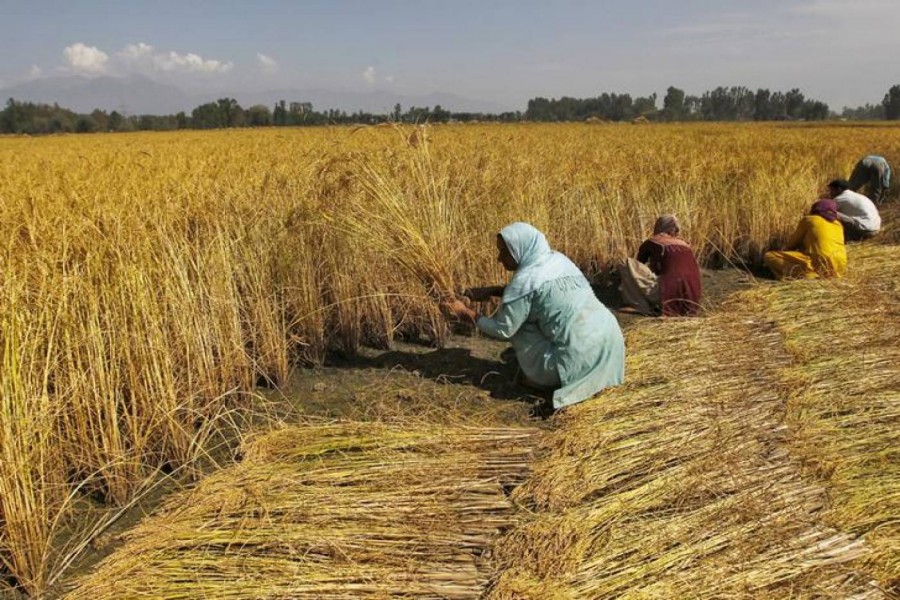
(859, 211)
(815, 249)
(874, 172)
(874, 161)
(564, 308)
(582, 334)
(680, 283)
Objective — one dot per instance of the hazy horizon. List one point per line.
(503, 52)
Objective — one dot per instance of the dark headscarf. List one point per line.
(827, 209)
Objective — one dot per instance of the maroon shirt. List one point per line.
(673, 261)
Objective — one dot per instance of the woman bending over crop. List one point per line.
(664, 278)
(563, 337)
(815, 249)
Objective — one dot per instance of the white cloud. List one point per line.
(135, 52)
(35, 72)
(371, 76)
(188, 63)
(88, 59)
(266, 63)
(144, 56)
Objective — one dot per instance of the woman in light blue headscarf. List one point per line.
(563, 337)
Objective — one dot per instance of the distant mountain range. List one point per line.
(137, 94)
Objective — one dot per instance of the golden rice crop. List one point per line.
(148, 279)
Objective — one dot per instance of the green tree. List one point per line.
(85, 124)
(891, 103)
(115, 121)
(279, 115)
(762, 105)
(231, 113)
(440, 115)
(10, 117)
(673, 104)
(300, 113)
(259, 116)
(539, 109)
(814, 110)
(867, 112)
(645, 107)
(207, 116)
(794, 104)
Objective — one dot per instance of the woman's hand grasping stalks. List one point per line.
(460, 310)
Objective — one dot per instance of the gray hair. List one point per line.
(667, 224)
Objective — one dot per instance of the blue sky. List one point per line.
(843, 52)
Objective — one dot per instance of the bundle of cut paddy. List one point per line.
(753, 453)
(346, 510)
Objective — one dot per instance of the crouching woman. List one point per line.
(664, 278)
(815, 249)
(563, 337)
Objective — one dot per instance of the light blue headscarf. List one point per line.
(538, 264)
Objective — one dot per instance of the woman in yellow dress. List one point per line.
(815, 249)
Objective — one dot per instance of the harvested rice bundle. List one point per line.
(688, 480)
(326, 511)
(846, 345)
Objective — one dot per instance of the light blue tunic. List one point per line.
(563, 337)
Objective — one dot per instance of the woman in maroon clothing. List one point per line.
(665, 277)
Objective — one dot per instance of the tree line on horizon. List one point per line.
(736, 103)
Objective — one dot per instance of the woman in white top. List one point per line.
(857, 214)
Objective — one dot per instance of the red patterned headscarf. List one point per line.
(827, 209)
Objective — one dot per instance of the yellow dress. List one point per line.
(815, 249)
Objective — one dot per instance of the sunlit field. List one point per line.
(150, 281)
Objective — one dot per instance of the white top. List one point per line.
(857, 210)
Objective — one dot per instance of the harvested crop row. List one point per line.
(344, 510)
(845, 412)
(693, 479)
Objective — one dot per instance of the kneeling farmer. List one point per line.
(563, 336)
(815, 249)
(665, 277)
